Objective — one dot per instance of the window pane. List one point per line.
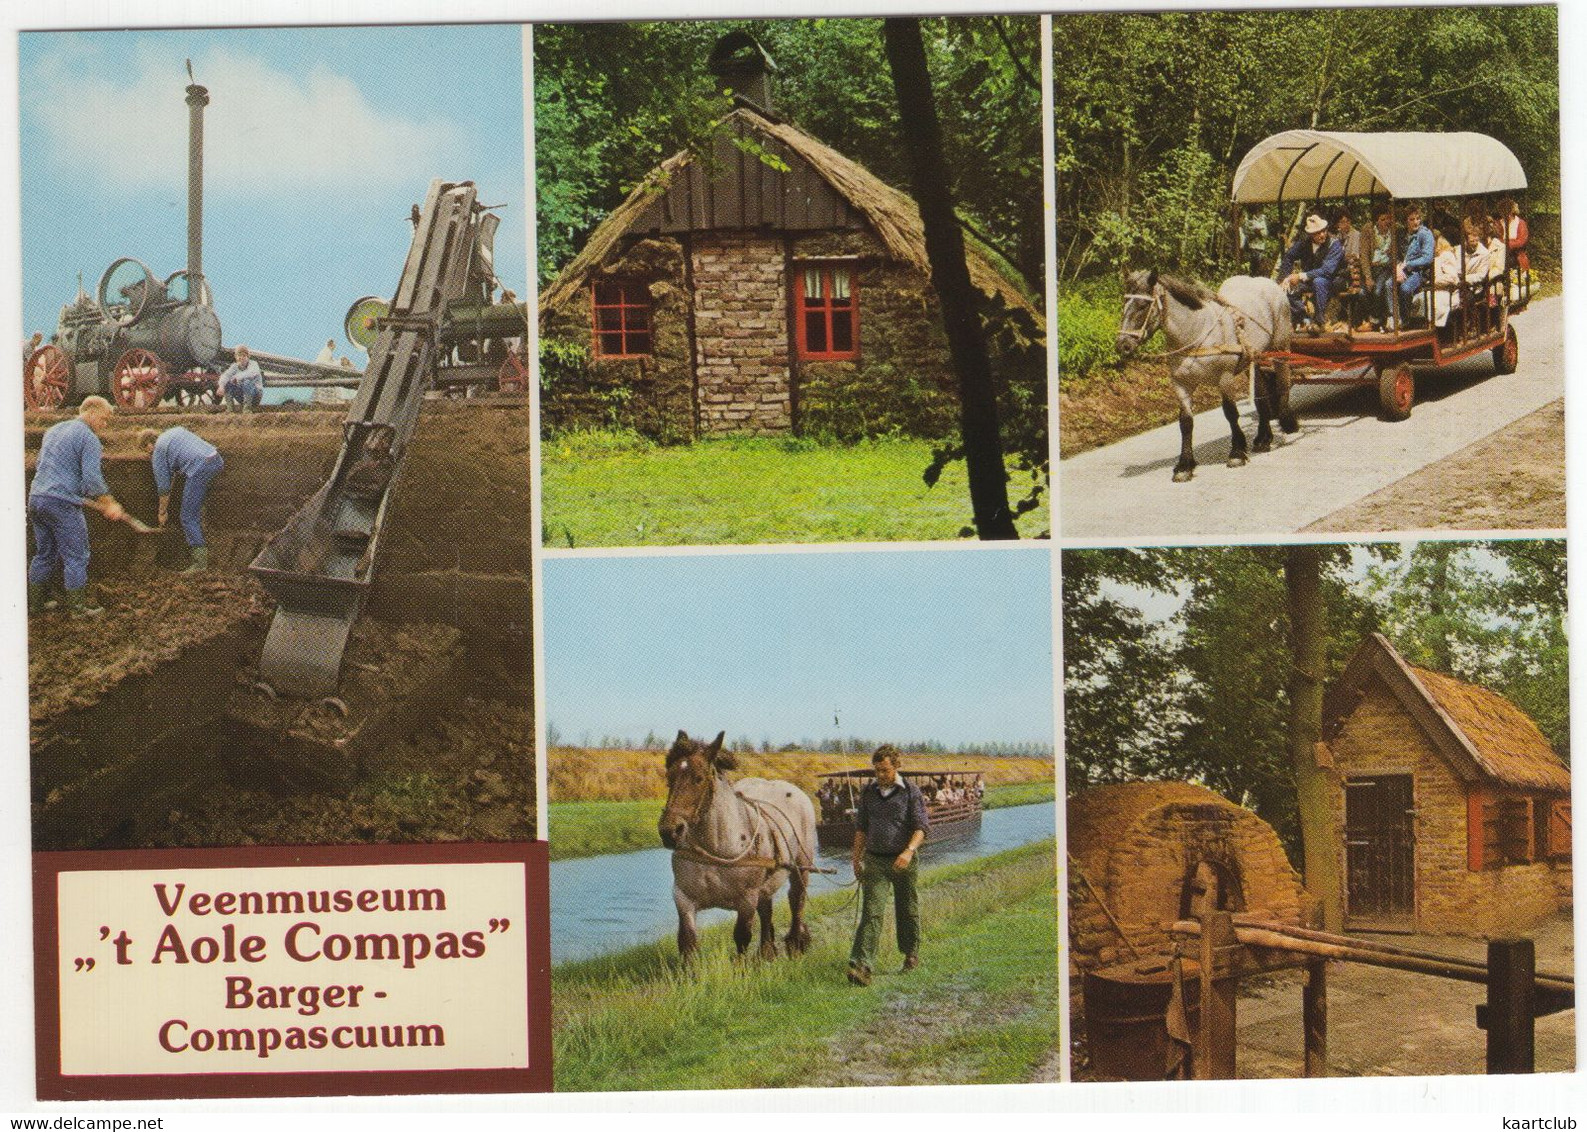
(638, 342)
(842, 332)
(611, 344)
(815, 333)
(813, 283)
(638, 318)
(840, 284)
(608, 318)
(608, 294)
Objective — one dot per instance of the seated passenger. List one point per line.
(1382, 269)
(1416, 265)
(1310, 264)
(1458, 272)
(1497, 260)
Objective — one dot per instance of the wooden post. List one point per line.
(1215, 1033)
(1511, 1007)
(1314, 1012)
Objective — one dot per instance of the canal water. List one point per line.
(608, 903)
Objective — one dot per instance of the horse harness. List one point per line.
(748, 859)
(1158, 300)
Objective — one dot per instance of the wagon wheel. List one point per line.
(49, 373)
(1507, 355)
(513, 377)
(1396, 391)
(139, 379)
(194, 388)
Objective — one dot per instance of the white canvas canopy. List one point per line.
(1306, 165)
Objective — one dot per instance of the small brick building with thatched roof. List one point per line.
(768, 285)
(1453, 809)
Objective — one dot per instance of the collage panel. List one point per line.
(740, 339)
(278, 597)
(1350, 271)
(1319, 810)
(728, 736)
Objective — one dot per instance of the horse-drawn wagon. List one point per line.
(1471, 317)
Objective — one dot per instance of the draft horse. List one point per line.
(734, 845)
(1214, 338)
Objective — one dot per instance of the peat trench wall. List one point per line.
(449, 610)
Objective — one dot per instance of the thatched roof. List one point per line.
(891, 216)
(1484, 736)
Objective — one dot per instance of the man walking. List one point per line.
(889, 826)
(67, 477)
(178, 450)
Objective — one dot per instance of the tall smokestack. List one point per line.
(197, 99)
(743, 68)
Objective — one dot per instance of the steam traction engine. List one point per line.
(137, 338)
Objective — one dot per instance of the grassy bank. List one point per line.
(982, 1008)
(610, 489)
(586, 829)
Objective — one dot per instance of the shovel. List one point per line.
(127, 517)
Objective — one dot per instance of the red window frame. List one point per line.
(620, 318)
(822, 321)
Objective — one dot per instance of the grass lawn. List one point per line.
(982, 1008)
(587, 829)
(605, 489)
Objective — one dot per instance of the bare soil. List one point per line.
(1511, 480)
(1136, 398)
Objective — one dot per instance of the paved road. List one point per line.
(1124, 492)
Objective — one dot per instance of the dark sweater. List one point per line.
(888, 822)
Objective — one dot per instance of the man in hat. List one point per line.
(889, 825)
(1310, 265)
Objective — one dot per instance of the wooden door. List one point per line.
(1380, 853)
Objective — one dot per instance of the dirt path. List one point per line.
(1458, 491)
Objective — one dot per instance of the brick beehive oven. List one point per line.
(1145, 847)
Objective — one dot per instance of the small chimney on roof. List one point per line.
(744, 70)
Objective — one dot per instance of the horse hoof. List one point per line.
(1239, 461)
(1289, 424)
(1262, 446)
(768, 951)
(1183, 475)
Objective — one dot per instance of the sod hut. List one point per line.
(1453, 809)
(767, 285)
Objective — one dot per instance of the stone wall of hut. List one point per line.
(902, 382)
(653, 396)
(722, 356)
(1380, 737)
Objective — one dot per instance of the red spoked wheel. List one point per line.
(139, 379)
(1396, 391)
(46, 377)
(513, 377)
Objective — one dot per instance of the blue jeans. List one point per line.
(1320, 288)
(60, 535)
(194, 489)
(245, 393)
(1408, 289)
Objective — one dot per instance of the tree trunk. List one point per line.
(1314, 785)
(950, 275)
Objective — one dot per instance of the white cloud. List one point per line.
(265, 131)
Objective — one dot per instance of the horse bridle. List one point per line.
(1149, 323)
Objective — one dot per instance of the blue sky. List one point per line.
(947, 645)
(317, 141)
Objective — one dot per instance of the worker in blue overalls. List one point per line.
(176, 450)
(67, 477)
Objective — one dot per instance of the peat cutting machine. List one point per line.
(319, 568)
